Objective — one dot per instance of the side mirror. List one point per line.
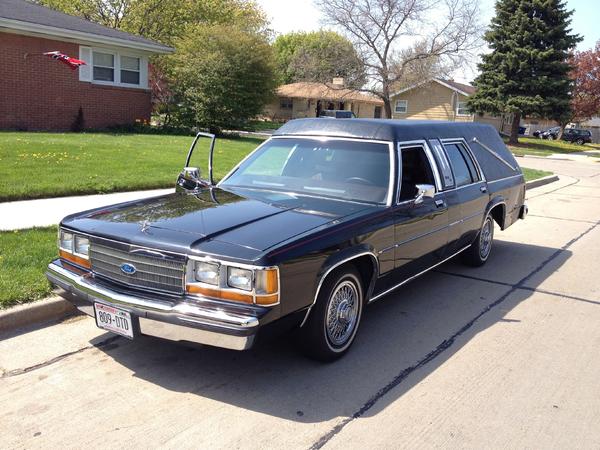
(189, 179)
(424, 191)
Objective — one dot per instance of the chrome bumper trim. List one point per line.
(177, 322)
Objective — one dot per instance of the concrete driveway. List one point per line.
(502, 356)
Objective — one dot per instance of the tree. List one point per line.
(382, 31)
(162, 20)
(317, 56)
(221, 76)
(585, 102)
(527, 71)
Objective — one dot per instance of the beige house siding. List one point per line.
(494, 121)
(431, 101)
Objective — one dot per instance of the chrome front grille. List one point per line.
(151, 272)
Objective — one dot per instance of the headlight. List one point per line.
(66, 241)
(74, 248)
(239, 278)
(207, 273)
(219, 280)
(82, 246)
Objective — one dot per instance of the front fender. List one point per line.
(338, 259)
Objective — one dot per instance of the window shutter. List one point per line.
(85, 72)
(144, 72)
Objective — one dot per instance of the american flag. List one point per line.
(71, 62)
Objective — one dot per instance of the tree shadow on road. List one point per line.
(403, 338)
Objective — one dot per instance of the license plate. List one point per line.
(113, 319)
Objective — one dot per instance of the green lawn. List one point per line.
(543, 147)
(23, 259)
(39, 165)
(534, 174)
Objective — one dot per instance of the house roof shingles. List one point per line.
(23, 11)
(324, 91)
(466, 88)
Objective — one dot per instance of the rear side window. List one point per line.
(462, 166)
(443, 163)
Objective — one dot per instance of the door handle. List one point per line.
(440, 203)
(483, 189)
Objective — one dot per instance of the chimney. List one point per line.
(338, 82)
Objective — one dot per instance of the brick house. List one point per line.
(38, 93)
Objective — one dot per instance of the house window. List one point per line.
(401, 106)
(104, 66)
(286, 103)
(130, 70)
(462, 109)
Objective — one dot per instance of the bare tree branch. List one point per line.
(398, 41)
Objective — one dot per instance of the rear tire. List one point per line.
(334, 319)
(479, 251)
(579, 142)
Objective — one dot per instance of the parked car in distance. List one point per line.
(337, 114)
(550, 133)
(320, 220)
(577, 136)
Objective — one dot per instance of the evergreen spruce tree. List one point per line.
(527, 72)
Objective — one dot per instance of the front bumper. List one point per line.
(199, 322)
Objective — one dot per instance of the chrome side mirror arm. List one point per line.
(424, 191)
(212, 138)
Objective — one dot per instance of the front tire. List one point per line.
(479, 252)
(335, 317)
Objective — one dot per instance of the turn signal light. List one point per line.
(75, 259)
(220, 294)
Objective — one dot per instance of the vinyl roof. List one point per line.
(483, 139)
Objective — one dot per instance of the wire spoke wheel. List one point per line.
(342, 313)
(485, 238)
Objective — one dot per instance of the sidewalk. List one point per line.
(50, 211)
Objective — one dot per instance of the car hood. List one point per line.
(242, 224)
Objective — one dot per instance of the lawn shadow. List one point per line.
(403, 338)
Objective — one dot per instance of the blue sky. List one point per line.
(301, 15)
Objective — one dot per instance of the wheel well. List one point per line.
(498, 213)
(366, 268)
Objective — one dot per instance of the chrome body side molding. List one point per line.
(387, 291)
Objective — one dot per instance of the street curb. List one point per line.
(541, 181)
(47, 310)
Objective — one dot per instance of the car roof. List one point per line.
(489, 147)
(383, 129)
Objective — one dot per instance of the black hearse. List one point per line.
(321, 219)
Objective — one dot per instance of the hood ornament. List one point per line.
(144, 226)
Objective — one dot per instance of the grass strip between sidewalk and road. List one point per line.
(534, 174)
(546, 147)
(24, 255)
(43, 165)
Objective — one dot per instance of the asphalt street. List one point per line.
(502, 356)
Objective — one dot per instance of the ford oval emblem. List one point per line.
(128, 269)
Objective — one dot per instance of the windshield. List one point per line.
(338, 168)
